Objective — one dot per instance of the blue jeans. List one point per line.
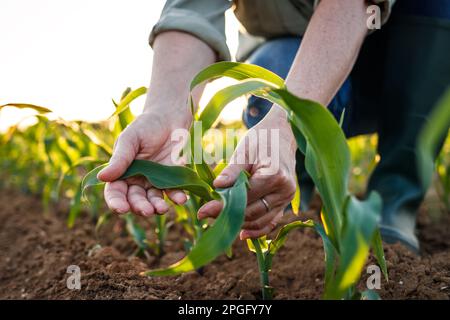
(400, 74)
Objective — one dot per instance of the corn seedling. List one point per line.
(429, 142)
(349, 225)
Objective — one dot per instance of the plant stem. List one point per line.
(263, 272)
(161, 232)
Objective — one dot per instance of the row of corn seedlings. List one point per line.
(51, 156)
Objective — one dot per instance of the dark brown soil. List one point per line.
(36, 250)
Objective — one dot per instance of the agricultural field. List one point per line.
(53, 213)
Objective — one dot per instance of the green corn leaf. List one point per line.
(219, 167)
(80, 162)
(90, 179)
(295, 203)
(263, 244)
(330, 255)
(161, 230)
(238, 71)
(170, 177)
(27, 106)
(378, 251)
(361, 221)
(205, 172)
(229, 252)
(223, 97)
(219, 237)
(301, 140)
(370, 295)
(75, 208)
(431, 136)
(327, 156)
(281, 237)
(271, 247)
(102, 219)
(93, 138)
(125, 117)
(125, 102)
(136, 232)
(160, 176)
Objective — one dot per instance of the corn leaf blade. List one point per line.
(236, 70)
(27, 106)
(361, 222)
(377, 245)
(219, 237)
(160, 176)
(327, 157)
(430, 137)
(124, 103)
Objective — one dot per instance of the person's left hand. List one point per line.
(271, 164)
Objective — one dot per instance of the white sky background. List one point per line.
(74, 56)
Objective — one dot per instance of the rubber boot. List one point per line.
(408, 65)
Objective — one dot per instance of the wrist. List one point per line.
(277, 118)
(174, 114)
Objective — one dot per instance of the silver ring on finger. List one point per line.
(266, 204)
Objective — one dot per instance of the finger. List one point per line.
(137, 198)
(238, 162)
(247, 234)
(259, 186)
(156, 198)
(261, 222)
(177, 196)
(116, 196)
(228, 175)
(124, 153)
(257, 209)
(210, 209)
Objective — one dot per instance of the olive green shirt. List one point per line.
(260, 19)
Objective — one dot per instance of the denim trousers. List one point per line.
(401, 72)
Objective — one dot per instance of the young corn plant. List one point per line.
(50, 158)
(443, 175)
(429, 142)
(349, 227)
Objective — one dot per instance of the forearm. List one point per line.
(178, 57)
(329, 49)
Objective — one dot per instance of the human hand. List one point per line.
(148, 137)
(272, 180)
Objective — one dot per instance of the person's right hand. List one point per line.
(148, 137)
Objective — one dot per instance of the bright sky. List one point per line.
(73, 56)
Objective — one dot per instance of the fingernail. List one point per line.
(222, 178)
(100, 172)
(243, 235)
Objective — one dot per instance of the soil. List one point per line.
(35, 251)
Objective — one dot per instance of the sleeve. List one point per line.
(204, 19)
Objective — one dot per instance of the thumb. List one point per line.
(229, 175)
(123, 154)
